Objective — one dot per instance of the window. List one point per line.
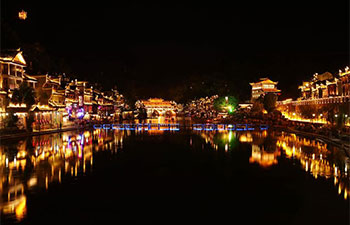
(5, 83)
(269, 86)
(13, 70)
(5, 68)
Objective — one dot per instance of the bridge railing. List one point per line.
(176, 127)
(138, 126)
(236, 127)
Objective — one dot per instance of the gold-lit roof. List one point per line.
(264, 81)
(15, 56)
(156, 102)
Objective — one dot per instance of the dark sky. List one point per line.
(153, 47)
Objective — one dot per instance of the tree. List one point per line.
(258, 107)
(308, 111)
(43, 97)
(269, 102)
(29, 121)
(228, 103)
(24, 94)
(11, 120)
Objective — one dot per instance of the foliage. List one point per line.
(29, 121)
(24, 94)
(43, 97)
(269, 102)
(229, 105)
(142, 113)
(11, 120)
(307, 111)
(258, 107)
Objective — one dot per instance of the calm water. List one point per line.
(172, 177)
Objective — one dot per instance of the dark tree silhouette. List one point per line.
(24, 94)
(270, 100)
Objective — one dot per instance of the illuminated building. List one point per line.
(50, 107)
(157, 107)
(326, 89)
(75, 96)
(264, 86)
(12, 75)
(106, 104)
(50, 88)
(88, 94)
(322, 91)
(321, 86)
(12, 69)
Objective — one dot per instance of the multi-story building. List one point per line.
(157, 107)
(12, 75)
(325, 98)
(326, 88)
(106, 104)
(58, 100)
(12, 69)
(75, 99)
(88, 100)
(50, 107)
(264, 86)
(344, 82)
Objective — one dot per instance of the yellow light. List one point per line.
(22, 15)
(21, 209)
(18, 105)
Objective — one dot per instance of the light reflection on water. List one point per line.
(36, 163)
(315, 157)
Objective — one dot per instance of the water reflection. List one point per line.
(318, 159)
(314, 156)
(36, 162)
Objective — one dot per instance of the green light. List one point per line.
(230, 109)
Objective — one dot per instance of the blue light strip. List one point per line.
(145, 127)
(176, 127)
(221, 127)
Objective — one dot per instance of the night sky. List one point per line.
(154, 47)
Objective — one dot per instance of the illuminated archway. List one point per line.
(155, 113)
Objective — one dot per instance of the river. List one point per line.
(108, 176)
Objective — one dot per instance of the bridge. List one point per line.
(176, 127)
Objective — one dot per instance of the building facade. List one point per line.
(264, 86)
(157, 107)
(325, 98)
